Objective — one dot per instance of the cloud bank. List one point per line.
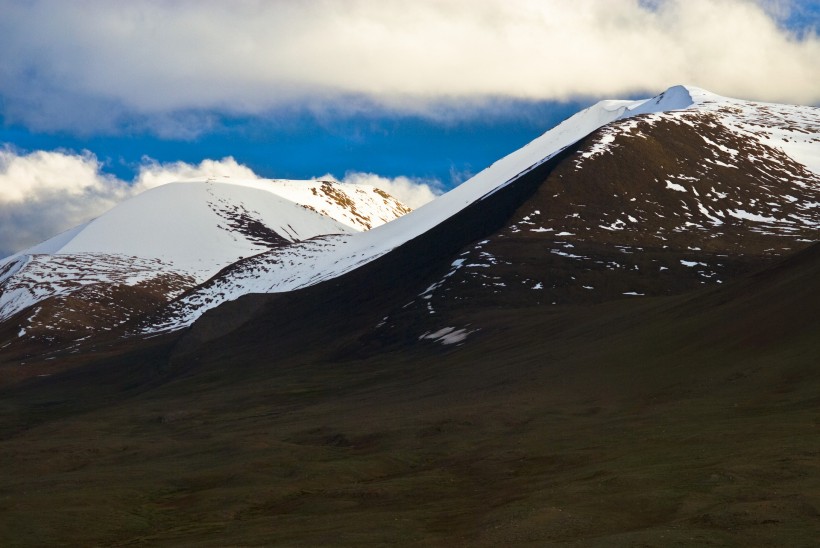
(65, 64)
(45, 193)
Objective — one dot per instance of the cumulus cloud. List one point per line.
(412, 192)
(152, 173)
(44, 193)
(155, 59)
(32, 176)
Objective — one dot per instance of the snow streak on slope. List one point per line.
(184, 233)
(312, 262)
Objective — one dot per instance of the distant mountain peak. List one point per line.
(172, 238)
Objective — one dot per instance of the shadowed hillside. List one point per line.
(651, 421)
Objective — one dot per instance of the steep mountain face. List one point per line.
(132, 260)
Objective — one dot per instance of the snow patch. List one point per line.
(447, 335)
(745, 215)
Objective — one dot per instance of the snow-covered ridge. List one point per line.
(189, 230)
(308, 263)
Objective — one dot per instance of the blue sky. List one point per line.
(95, 94)
(304, 145)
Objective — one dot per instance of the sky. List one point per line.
(100, 100)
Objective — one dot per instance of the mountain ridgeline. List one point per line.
(623, 200)
(607, 337)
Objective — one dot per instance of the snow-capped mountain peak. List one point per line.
(173, 237)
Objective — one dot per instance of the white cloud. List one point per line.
(45, 193)
(156, 58)
(412, 192)
(33, 176)
(153, 173)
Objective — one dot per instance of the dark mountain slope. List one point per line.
(616, 423)
(775, 306)
(358, 299)
(678, 201)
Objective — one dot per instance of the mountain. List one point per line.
(624, 199)
(148, 250)
(683, 190)
(607, 337)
